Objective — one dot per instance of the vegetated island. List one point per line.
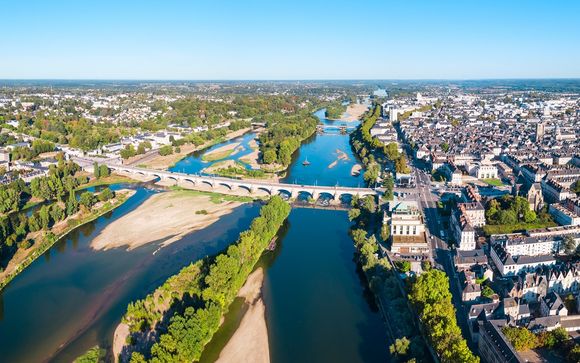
(177, 320)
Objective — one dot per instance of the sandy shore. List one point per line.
(249, 344)
(165, 216)
(354, 111)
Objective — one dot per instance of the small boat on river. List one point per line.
(306, 162)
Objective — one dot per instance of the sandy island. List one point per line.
(249, 344)
(165, 216)
(341, 156)
(354, 111)
(221, 152)
(355, 170)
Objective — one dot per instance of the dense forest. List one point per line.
(186, 310)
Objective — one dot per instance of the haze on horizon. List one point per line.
(290, 40)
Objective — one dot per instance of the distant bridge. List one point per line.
(202, 182)
(342, 128)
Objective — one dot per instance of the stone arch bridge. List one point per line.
(202, 182)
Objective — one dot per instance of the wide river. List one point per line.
(317, 307)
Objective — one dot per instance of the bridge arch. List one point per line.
(246, 187)
(284, 192)
(265, 189)
(326, 196)
(304, 195)
(345, 198)
(169, 178)
(227, 185)
(206, 182)
(188, 181)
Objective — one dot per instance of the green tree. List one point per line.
(269, 157)
(56, 213)
(401, 165)
(487, 292)
(44, 215)
(166, 150)
(72, 205)
(400, 347)
(403, 266)
(353, 214)
(520, 338)
(389, 185)
(96, 170)
(106, 194)
(392, 151)
(576, 187)
(87, 200)
(372, 173)
(104, 171)
(128, 151)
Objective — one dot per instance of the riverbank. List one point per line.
(354, 111)
(23, 258)
(177, 213)
(250, 341)
(164, 162)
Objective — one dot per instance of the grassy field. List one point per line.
(217, 197)
(217, 155)
(494, 182)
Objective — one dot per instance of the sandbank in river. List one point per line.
(163, 217)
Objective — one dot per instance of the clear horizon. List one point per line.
(293, 41)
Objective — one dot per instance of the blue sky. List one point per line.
(298, 39)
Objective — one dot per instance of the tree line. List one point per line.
(408, 345)
(373, 152)
(430, 294)
(210, 288)
(59, 187)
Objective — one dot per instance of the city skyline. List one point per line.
(291, 41)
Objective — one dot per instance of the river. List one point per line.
(317, 306)
(72, 298)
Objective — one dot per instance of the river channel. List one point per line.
(317, 308)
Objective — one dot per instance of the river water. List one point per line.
(317, 307)
(72, 298)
